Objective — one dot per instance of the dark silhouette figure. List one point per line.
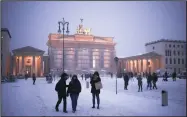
(155, 79)
(94, 91)
(82, 76)
(61, 90)
(165, 76)
(149, 81)
(74, 89)
(126, 80)
(34, 78)
(139, 78)
(174, 75)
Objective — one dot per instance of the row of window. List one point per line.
(175, 53)
(178, 46)
(169, 61)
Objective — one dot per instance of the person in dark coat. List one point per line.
(155, 79)
(74, 89)
(149, 81)
(139, 78)
(174, 75)
(126, 80)
(61, 90)
(166, 76)
(94, 91)
(34, 78)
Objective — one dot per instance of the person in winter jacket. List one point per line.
(174, 75)
(149, 81)
(34, 78)
(94, 91)
(155, 78)
(139, 78)
(74, 89)
(126, 80)
(61, 90)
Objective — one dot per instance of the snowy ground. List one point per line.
(24, 99)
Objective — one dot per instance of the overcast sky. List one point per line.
(132, 23)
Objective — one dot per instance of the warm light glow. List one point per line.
(93, 62)
(16, 57)
(2, 37)
(39, 57)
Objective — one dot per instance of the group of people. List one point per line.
(74, 89)
(151, 79)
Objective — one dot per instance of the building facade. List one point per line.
(148, 62)
(46, 67)
(83, 52)
(173, 52)
(5, 52)
(28, 60)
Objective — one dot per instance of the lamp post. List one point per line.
(116, 61)
(63, 23)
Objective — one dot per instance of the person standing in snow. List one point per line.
(174, 75)
(139, 78)
(95, 92)
(126, 80)
(155, 78)
(61, 90)
(34, 78)
(149, 81)
(74, 89)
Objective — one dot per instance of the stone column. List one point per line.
(41, 66)
(14, 65)
(142, 70)
(137, 66)
(75, 59)
(33, 65)
(133, 66)
(147, 69)
(23, 65)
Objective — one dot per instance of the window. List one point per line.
(170, 52)
(174, 61)
(178, 53)
(170, 61)
(178, 46)
(165, 52)
(166, 61)
(174, 69)
(178, 61)
(174, 53)
(174, 46)
(182, 61)
(170, 45)
(153, 47)
(179, 70)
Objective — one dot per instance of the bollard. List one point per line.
(87, 84)
(164, 98)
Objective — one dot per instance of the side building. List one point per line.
(83, 52)
(5, 52)
(28, 60)
(173, 52)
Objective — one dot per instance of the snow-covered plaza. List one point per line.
(22, 98)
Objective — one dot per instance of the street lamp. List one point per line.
(63, 23)
(116, 61)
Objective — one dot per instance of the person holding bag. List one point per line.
(95, 90)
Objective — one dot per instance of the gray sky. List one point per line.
(132, 23)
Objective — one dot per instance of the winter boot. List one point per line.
(56, 109)
(98, 107)
(93, 106)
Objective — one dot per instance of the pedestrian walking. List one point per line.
(155, 79)
(139, 78)
(95, 90)
(34, 78)
(61, 90)
(174, 75)
(126, 81)
(149, 81)
(74, 89)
